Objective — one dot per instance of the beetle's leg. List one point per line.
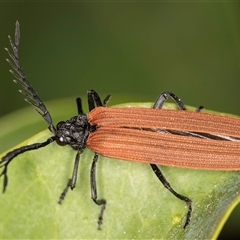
(166, 184)
(100, 202)
(79, 106)
(199, 109)
(72, 181)
(106, 100)
(93, 98)
(158, 104)
(95, 101)
(163, 98)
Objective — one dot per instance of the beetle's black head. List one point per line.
(73, 132)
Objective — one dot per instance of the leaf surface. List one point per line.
(138, 206)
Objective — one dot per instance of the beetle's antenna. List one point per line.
(21, 79)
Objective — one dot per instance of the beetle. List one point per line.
(155, 136)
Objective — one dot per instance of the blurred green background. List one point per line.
(134, 50)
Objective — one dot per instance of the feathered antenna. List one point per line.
(21, 79)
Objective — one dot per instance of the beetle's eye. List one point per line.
(60, 142)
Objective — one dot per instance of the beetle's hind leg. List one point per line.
(100, 202)
(158, 104)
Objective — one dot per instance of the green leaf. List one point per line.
(138, 206)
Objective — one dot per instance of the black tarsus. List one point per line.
(72, 181)
(64, 192)
(158, 104)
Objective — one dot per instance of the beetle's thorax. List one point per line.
(74, 132)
